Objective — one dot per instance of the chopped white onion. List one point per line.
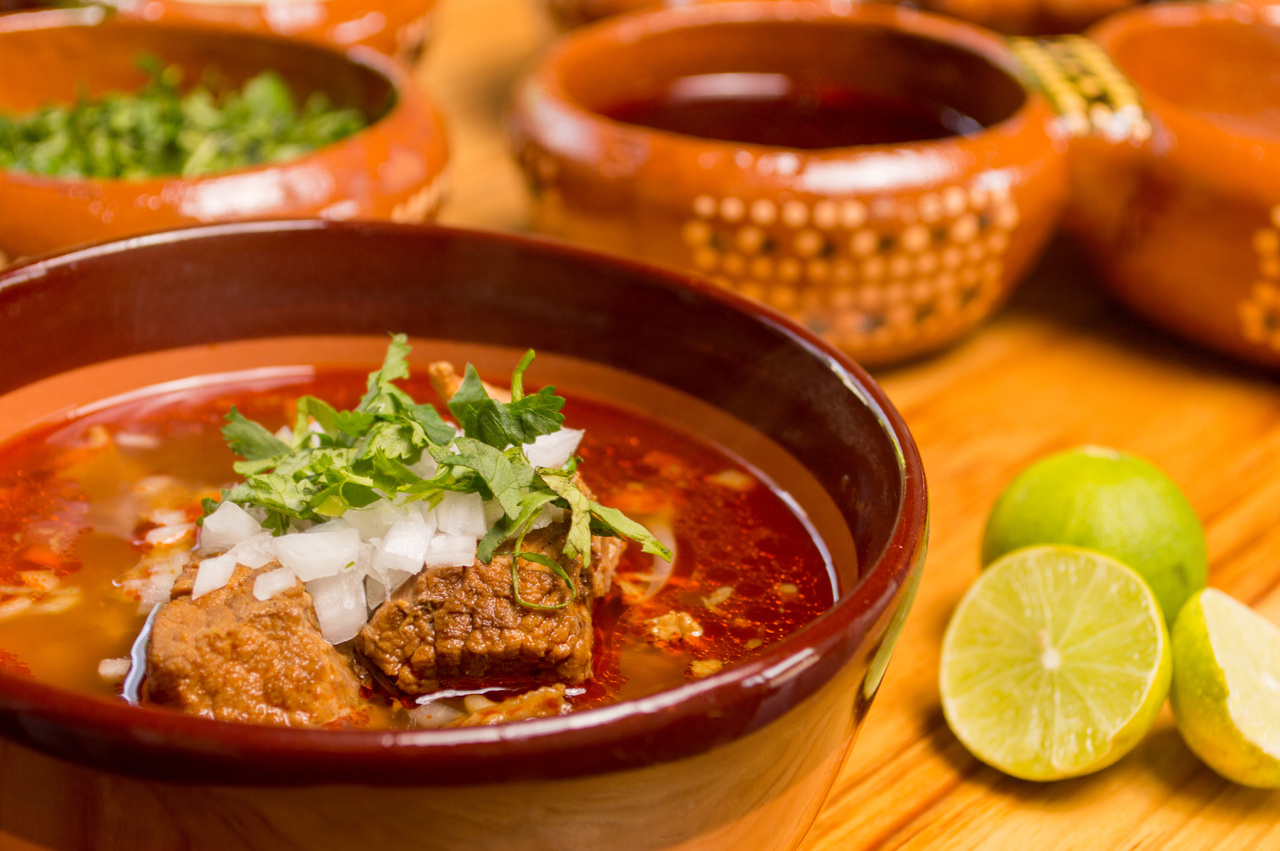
(227, 526)
(271, 583)
(337, 524)
(256, 551)
(168, 535)
(167, 517)
(548, 515)
(425, 467)
(405, 545)
(134, 440)
(374, 520)
(340, 605)
(660, 527)
(315, 555)
(285, 433)
(555, 449)
(451, 551)
(213, 574)
(431, 715)
(114, 670)
(461, 514)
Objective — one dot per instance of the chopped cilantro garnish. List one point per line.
(339, 460)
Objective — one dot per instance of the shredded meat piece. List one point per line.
(544, 702)
(233, 657)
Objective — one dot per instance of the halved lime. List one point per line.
(1055, 663)
(1112, 502)
(1226, 688)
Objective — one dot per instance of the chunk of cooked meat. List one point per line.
(230, 656)
(544, 702)
(455, 623)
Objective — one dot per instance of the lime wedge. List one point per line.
(1226, 689)
(1055, 663)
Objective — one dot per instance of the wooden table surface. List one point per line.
(1058, 367)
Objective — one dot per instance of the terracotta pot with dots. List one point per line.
(880, 175)
(1176, 191)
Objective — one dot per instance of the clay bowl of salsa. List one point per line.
(1183, 222)
(384, 161)
(723, 690)
(880, 175)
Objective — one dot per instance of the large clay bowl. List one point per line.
(1185, 224)
(1020, 17)
(397, 28)
(889, 248)
(741, 759)
(390, 170)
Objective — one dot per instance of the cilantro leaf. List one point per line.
(502, 424)
(249, 439)
(340, 460)
(614, 522)
(578, 542)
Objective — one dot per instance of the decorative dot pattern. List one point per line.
(1259, 312)
(867, 274)
(1089, 92)
(422, 205)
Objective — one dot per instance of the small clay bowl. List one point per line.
(740, 759)
(1183, 219)
(398, 28)
(892, 223)
(1020, 17)
(391, 170)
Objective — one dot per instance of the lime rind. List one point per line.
(1055, 663)
(1226, 690)
(1111, 502)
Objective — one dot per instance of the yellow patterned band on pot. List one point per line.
(1086, 88)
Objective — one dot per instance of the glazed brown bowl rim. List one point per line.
(782, 676)
(399, 83)
(957, 34)
(1171, 15)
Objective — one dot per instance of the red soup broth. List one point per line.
(778, 111)
(74, 498)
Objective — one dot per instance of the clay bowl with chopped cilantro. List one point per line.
(546, 550)
(111, 127)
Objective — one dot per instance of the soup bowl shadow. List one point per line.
(742, 758)
(392, 169)
(881, 175)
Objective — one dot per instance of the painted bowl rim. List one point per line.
(957, 34)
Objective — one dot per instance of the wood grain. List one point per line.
(1060, 366)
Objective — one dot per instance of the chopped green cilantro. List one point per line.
(339, 460)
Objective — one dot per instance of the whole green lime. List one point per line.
(1112, 502)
